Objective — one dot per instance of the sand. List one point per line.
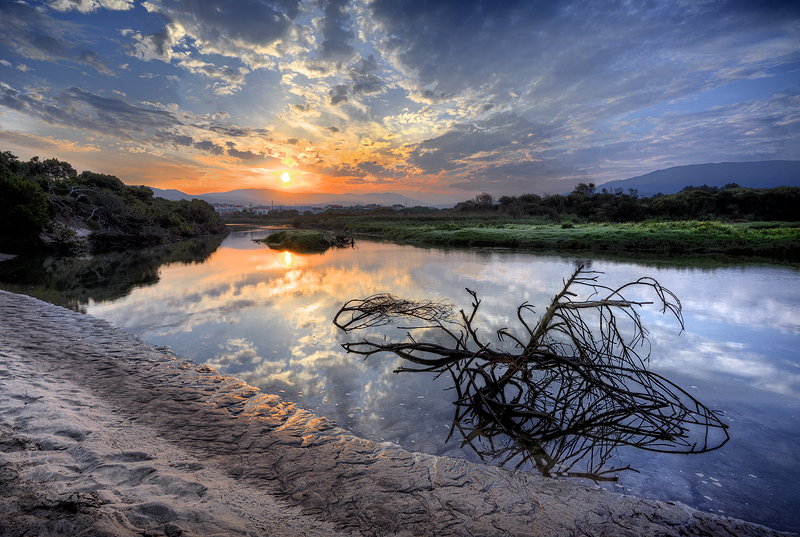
(103, 435)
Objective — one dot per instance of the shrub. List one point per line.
(301, 240)
(26, 211)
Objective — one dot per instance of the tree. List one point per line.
(484, 199)
(25, 213)
(102, 181)
(586, 190)
(576, 387)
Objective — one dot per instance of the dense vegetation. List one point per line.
(584, 204)
(305, 240)
(765, 239)
(44, 202)
(731, 202)
(732, 221)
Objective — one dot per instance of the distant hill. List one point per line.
(265, 196)
(761, 174)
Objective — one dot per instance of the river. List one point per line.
(265, 316)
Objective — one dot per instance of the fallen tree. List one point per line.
(576, 387)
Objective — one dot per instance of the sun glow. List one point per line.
(285, 177)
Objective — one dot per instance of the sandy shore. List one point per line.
(100, 434)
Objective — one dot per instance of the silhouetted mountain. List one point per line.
(762, 174)
(265, 196)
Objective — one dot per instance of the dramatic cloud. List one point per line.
(442, 99)
(75, 108)
(253, 31)
(85, 6)
(28, 33)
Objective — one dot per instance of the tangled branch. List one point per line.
(383, 309)
(576, 388)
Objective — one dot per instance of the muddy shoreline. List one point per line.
(102, 434)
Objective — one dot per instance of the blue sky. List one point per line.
(438, 100)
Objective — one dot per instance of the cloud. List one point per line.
(155, 46)
(50, 145)
(367, 84)
(87, 6)
(228, 80)
(117, 118)
(758, 129)
(344, 170)
(209, 147)
(37, 36)
(304, 110)
(553, 59)
(76, 108)
(242, 155)
(338, 95)
(547, 175)
(335, 26)
(233, 131)
(172, 138)
(487, 96)
(254, 32)
(373, 168)
(481, 140)
(312, 67)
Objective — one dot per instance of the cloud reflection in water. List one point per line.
(256, 314)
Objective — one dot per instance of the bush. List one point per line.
(120, 216)
(300, 240)
(102, 181)
(26, 212)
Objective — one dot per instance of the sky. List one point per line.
(438, 100)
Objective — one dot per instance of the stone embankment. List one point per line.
(101, 434)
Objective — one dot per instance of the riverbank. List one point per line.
(101, 434)
(777, 240)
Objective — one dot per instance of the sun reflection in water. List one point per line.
(287, 259)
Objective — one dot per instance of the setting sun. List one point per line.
(285, 177)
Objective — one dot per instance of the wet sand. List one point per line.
(101, 434)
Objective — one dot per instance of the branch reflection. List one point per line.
(577, 389)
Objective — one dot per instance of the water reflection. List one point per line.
(247, 312)
(575, 387)
(73, 281)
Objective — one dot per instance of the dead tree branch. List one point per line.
(383, 309)
(577, 387)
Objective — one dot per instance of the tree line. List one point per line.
(731, 202)
(43, 201)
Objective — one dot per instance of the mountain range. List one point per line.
(269, 197)
(760, 174)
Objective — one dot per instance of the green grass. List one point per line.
(763, 239)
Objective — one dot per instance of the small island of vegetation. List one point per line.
(308, 241)
(48, 206)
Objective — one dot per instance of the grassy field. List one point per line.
(764, 239)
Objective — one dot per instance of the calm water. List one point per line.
(265, 316)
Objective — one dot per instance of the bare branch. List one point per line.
(383, 309)
(573, 392)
